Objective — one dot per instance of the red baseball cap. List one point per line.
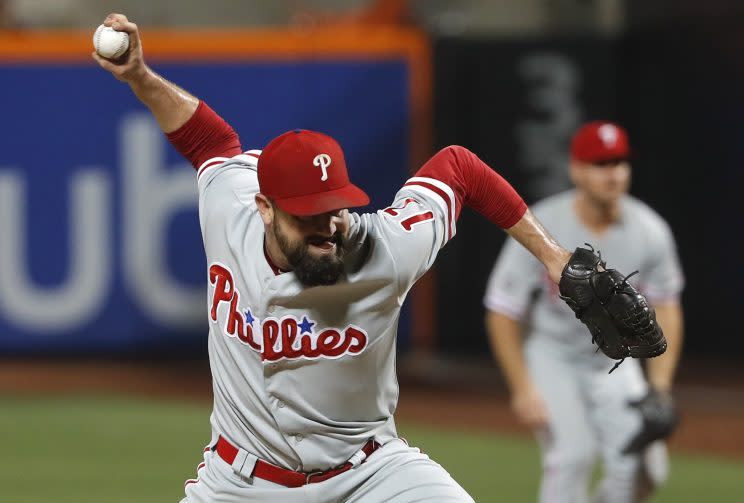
(600, 141)
(304, 173)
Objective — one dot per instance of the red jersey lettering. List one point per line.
(283, 338)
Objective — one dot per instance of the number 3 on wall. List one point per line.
(408, 222)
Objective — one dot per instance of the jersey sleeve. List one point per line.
(205, 138)
(663, 279)
(227, 178)
(227, 187)
(217, 167)
(515, 276)
(224, 173)
(475, 184)
(422, 218)
(416, 226)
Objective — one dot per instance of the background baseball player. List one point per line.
(304, 299)
(559, 384)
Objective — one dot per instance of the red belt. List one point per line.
(287, 478)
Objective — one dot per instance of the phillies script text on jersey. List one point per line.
(284, 337)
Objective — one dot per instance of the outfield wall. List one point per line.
(100, 250)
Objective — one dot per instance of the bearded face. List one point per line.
(315, 258)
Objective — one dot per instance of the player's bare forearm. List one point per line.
(531, 234)
(505, 339)
(505, 335)
(661, 369)
(170, 105)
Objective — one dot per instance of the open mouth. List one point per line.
(323, 242)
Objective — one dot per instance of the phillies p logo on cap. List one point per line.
(600, 141)
(323, 161)
(304, 173)
(609, 134)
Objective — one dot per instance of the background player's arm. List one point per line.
(505, 338)
(661, 369)
(663, 284)
(515, 278)
(170, 105)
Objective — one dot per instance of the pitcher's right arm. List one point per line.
(192, 127)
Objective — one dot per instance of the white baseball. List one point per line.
(110, 43)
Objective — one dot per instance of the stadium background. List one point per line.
(102, 329)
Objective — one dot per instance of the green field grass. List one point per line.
(83, 449)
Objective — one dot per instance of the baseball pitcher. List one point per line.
(304, 299)
(560, 385)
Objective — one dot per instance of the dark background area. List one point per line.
(671, 71)
(675, 81)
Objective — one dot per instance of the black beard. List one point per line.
(312, 271)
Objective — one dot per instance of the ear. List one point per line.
(265, 208)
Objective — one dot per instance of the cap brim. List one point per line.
(349, 196)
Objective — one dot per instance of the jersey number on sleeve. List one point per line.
(408, 222)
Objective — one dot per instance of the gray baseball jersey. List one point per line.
(304, 377)
(588, 413)
(520, 288)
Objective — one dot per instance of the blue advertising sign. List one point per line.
(100, 248)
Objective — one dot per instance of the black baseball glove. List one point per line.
(659, 417)
(619, 318)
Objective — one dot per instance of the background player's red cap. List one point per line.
(304, 173)
(600, 141)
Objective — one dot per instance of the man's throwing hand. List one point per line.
(130, 65)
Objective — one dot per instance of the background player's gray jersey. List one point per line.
(304, 377)
(520, 288)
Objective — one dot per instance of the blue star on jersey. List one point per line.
(306, 326)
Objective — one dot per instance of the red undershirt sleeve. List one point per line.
(204, 136)
(475, 185)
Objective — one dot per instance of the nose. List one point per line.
(327, 223)
(331, 225)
